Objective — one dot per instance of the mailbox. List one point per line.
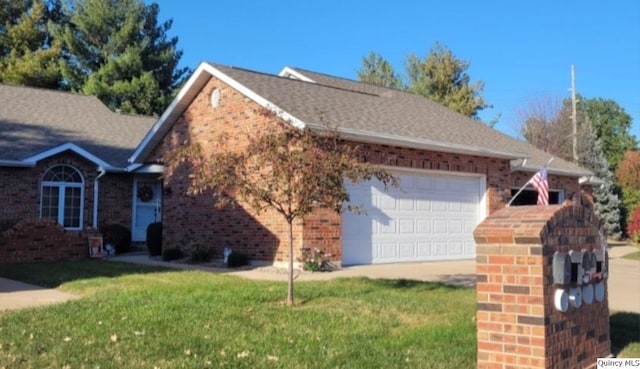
(586, 267)
(602, 263)
(561, 268)
(577, 272)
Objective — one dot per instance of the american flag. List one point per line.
(541, 185)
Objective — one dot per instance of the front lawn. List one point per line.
(136, 317)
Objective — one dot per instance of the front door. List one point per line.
(147, 206)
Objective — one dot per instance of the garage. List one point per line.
(429, 217)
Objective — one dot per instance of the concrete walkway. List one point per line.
(18, 295)
(624, 279)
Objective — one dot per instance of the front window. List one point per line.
(62, 190)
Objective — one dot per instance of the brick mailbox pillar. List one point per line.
(541, 288)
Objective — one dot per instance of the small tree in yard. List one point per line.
(286, 169)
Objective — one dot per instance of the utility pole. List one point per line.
(574, 117)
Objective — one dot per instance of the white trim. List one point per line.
(71, 147)
(147, 169)
(394, 140)
(555, 171)
(167, 112)
(294, 74)
(96, 195)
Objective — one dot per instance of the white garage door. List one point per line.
(429, 217)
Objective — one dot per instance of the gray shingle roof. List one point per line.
(386, 112)
(34, 120)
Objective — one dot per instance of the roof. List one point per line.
(361, 112)
(36, 123)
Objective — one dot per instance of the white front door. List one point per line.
(147, 201)
(430, 217)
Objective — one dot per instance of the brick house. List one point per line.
(454, 171)
(64, 171)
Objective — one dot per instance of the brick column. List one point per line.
(518, 325)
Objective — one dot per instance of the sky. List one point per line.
(521, 50)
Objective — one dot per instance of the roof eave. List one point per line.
(415, 143)
(32, 160)
(550, 170)
(17, 164)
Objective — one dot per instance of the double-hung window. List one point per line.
(62, 194)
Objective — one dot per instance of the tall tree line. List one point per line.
(117, 50)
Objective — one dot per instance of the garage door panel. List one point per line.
(406, 226)
(423, 250)
(455, 226)
(423, 226)
(440, 226)
(406, 250)
(388, 250)
(431, 217)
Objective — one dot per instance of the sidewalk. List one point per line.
(18, 295)
(457, 272)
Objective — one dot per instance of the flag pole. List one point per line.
(525, 185)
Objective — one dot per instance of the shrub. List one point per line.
(173, 253)
(237, 259)
(634, 225)
(315, 260)
(199, 252)
(118, 236)
(154, 238)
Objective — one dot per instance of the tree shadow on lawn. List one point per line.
(53, 274)
(625, 330)
(410, 283)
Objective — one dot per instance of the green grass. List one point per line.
(625, 334)
(633, 256)
(136, 317)
(140, 317)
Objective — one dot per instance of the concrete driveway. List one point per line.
(624, 278)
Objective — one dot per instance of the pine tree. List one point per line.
(440, 77)
(28, 54)
(377, 71)
(607, 204)
(118, 51)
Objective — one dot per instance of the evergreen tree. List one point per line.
(377, 71)
(28, 54)
(118, 51)
(440, 77)
(607, 204)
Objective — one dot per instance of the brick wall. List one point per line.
(36, 239)
(115, 199)
(517, 323)
(190, 218)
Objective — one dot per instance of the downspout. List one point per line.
(102, 172)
